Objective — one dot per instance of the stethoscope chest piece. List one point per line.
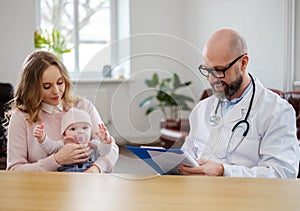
(214, 120)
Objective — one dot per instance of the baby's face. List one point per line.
(80, 130)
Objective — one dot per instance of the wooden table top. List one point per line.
(81, 191)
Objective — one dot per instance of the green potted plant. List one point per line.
(165, 97)
(52, 41)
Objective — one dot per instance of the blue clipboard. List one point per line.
(163, 161)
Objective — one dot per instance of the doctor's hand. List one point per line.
(207, 168)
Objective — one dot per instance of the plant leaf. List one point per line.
(162, 96)
(52, 41)
(183, 98)
(176, 81)
(165, 85)
(153, 82)
(166, 95)
(146, 101)
(152, 108)
(184, 84)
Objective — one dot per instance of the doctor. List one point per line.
(243, 130)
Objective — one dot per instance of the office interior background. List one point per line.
(167, 36)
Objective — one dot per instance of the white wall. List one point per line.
(176, 32)
(166, 35)
(156, 27)
(297, 43)
(262, 22)
(16, 37)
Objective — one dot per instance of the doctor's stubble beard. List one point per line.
(229, 89)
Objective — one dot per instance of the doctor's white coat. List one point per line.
(270, 149)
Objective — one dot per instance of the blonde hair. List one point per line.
(28, 94)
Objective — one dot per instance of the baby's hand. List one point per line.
(103, 134)
(39, 132)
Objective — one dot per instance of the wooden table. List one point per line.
(79, 191)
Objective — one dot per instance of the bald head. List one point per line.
(225, 43)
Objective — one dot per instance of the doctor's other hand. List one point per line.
(207, 168)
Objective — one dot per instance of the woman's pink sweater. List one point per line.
(24, 153)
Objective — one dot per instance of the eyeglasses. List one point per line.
(218, 73)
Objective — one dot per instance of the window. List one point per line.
(87, 26)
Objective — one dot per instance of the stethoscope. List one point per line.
(215, 119)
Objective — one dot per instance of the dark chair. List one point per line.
(6, 94)
(173, 137)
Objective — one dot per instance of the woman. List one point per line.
(43, 95)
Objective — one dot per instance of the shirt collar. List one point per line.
(52, 109)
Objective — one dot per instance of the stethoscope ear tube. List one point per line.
(248, 111)
(246, 127)
(240, 122)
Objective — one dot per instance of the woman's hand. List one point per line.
(73, 153)
(103, 134)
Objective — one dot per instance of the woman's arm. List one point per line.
(22, 153)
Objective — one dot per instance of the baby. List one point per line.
(76, 127)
